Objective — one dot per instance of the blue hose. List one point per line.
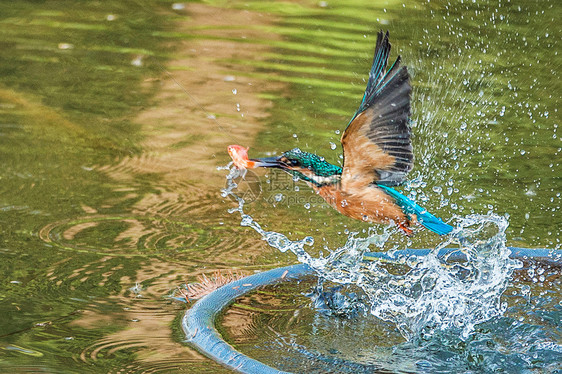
(544, 255)
(199, 321)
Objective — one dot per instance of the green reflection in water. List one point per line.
(77, 58)
(70, 79)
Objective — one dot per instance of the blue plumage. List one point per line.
(428, 220)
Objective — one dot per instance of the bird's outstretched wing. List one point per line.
(376, 143)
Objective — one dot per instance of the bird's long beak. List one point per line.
(267, 162)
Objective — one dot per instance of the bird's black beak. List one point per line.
(267, 162)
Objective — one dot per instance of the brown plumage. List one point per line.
(366, 204)
(376, 146)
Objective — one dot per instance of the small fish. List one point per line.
(239, 156)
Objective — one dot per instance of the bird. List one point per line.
(377, 154)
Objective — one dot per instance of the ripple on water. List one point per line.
(137, 235)
(175, 365)
(136, 320)
(22, 350)
(120, 235)
(107, 348)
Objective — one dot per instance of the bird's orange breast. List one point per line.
(369, 204)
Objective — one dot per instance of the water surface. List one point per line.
(114, 116)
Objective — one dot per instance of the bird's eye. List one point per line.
(294, 162)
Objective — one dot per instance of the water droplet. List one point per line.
(278, 197)
(246, 220)
(332, 146)
(66, 46)
(137, 61)
(307, 206)
(234, 91)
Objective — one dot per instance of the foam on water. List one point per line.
(434, 294)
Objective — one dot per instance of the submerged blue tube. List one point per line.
(199, 321)
(547, 255)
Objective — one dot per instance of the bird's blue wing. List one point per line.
(378, 68)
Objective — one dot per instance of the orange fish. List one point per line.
(239, 156)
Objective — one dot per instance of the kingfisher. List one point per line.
(377, 154)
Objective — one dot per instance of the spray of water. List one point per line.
(434, 294)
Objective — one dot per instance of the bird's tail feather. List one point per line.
(428, 220)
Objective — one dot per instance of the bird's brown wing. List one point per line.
(376, 143)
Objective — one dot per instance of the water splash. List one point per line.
(434, 294)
